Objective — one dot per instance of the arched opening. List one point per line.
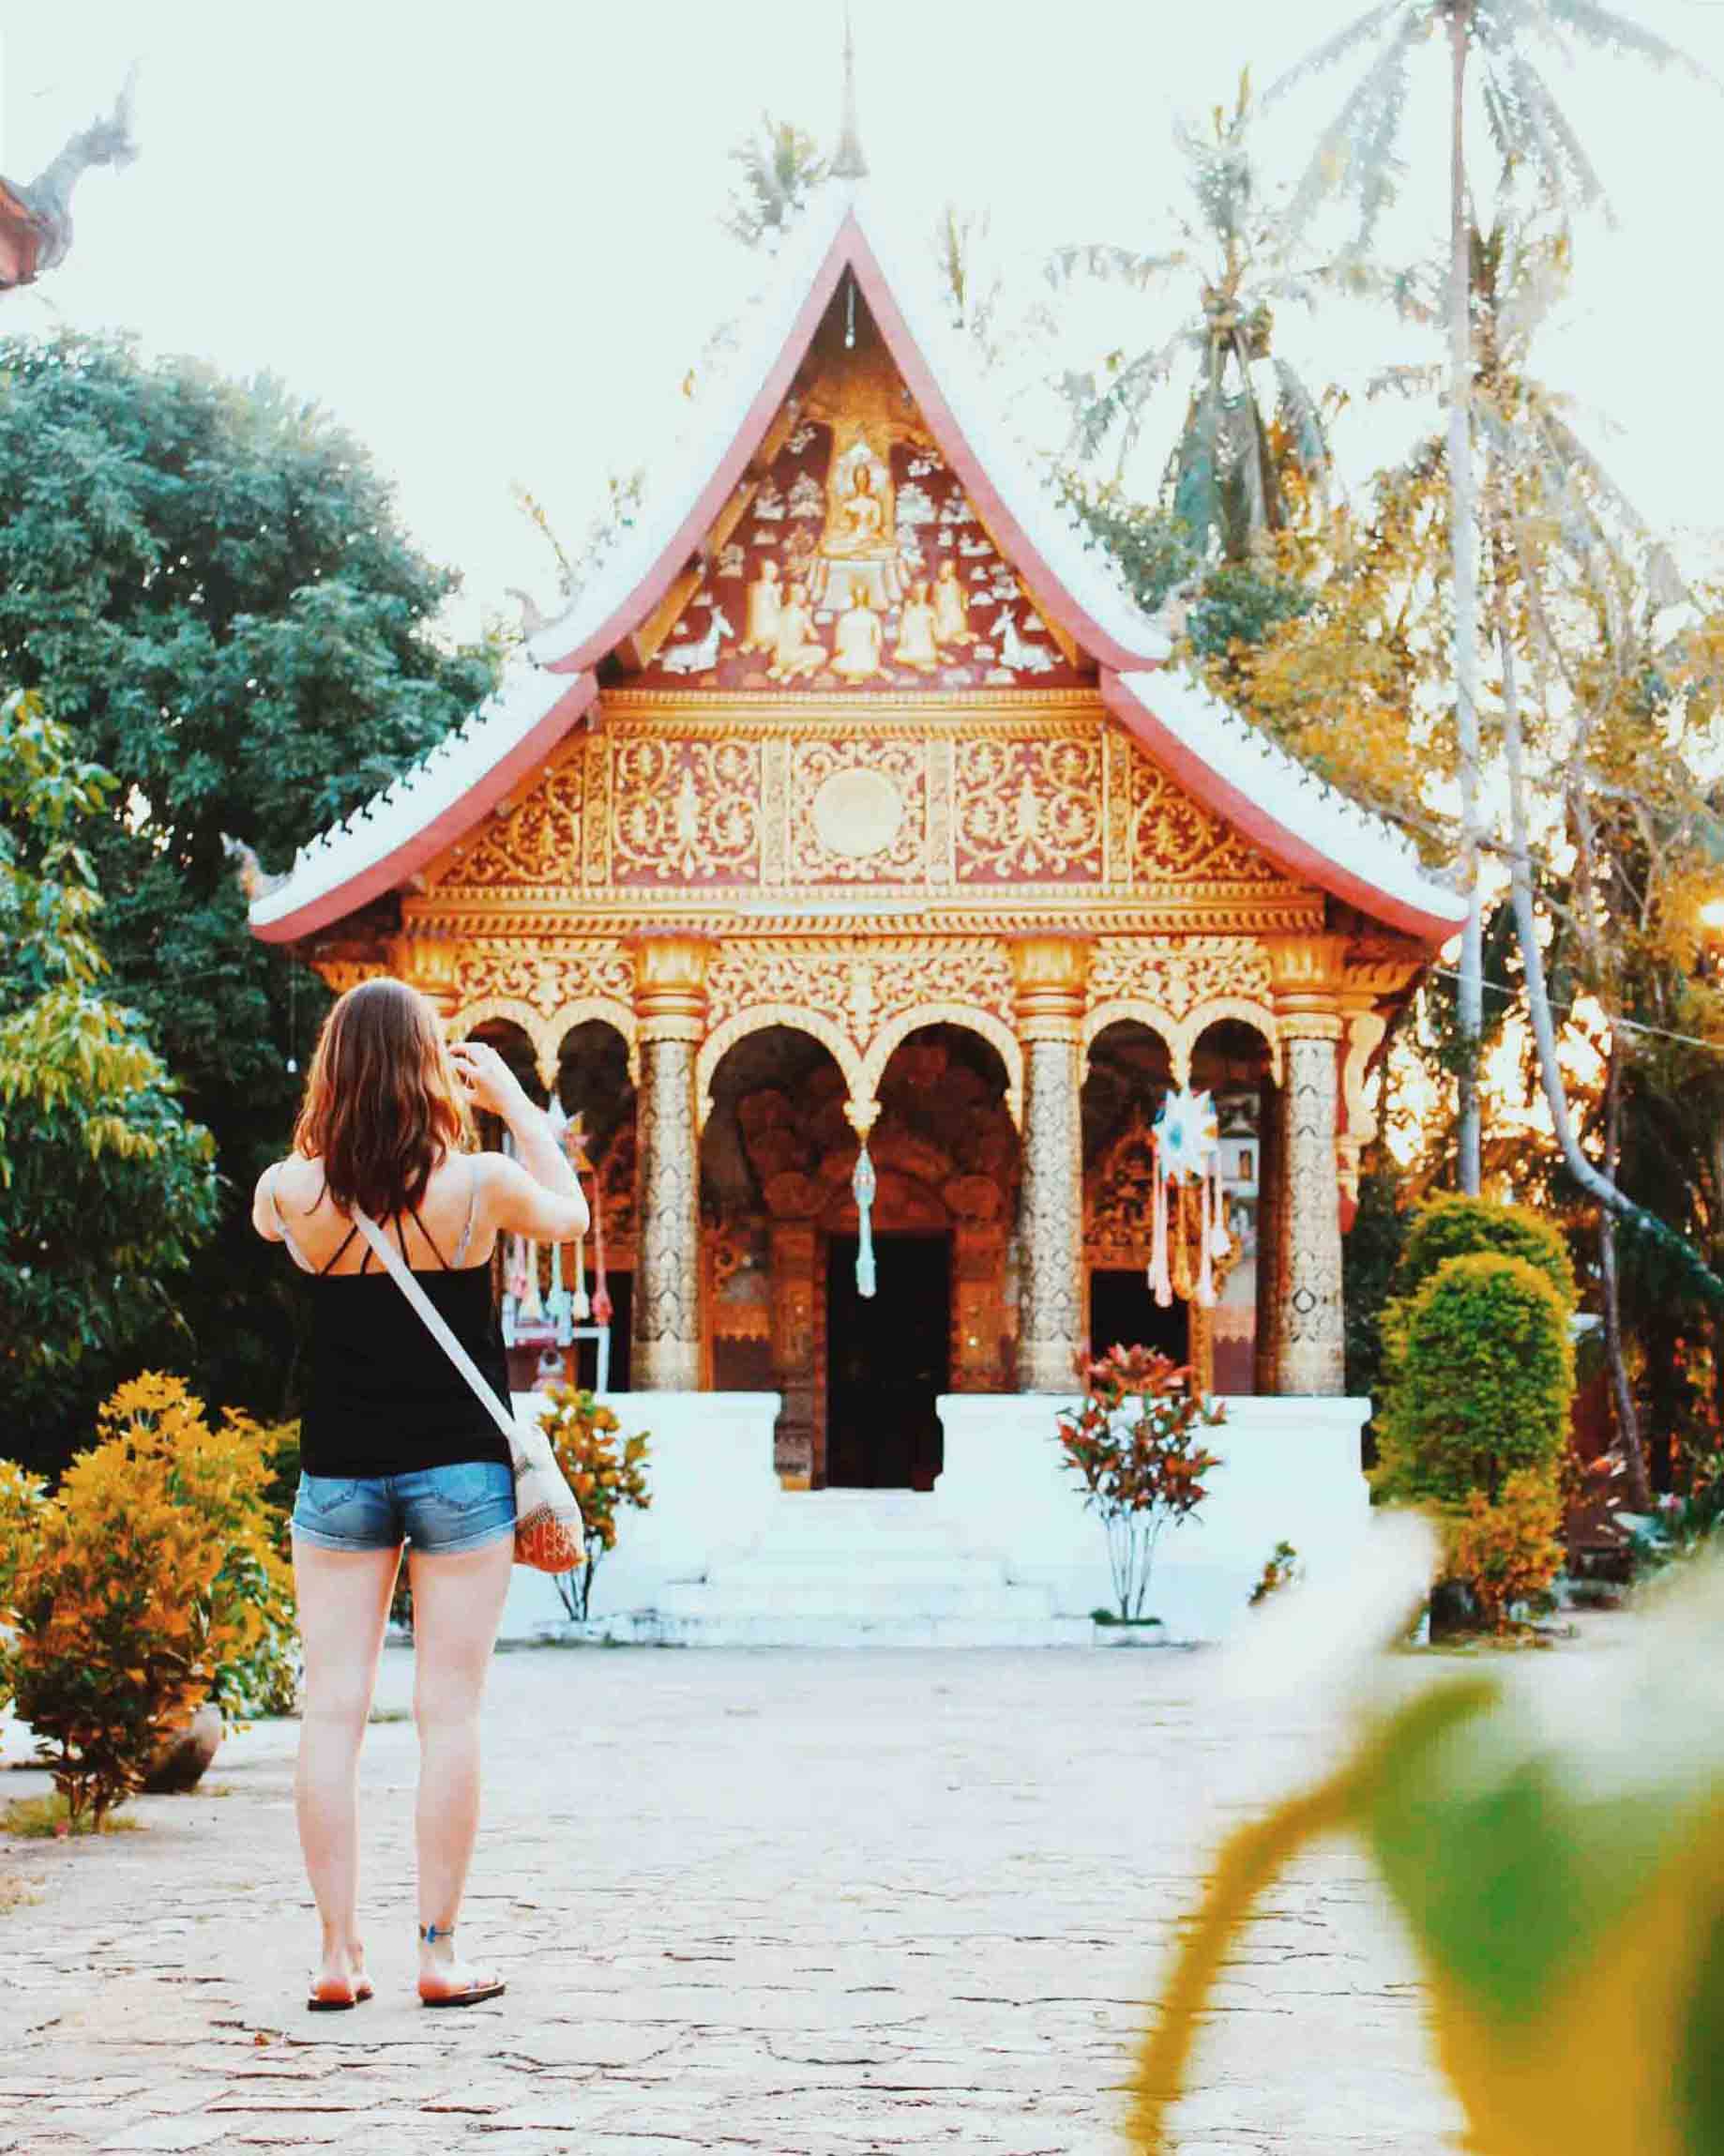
(774, 1149)
(1231, 1060)
(566, 1307)
(597, 1093)
(1131, 1074)
(945, 1157)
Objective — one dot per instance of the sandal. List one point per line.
(318, 2002)
(469, 1995)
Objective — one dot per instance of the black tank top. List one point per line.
(384, 1398)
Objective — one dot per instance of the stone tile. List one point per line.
(839, 1906)
(167, 2135)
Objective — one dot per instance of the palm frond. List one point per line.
(1099, 407)
(1355, 153)
(1361, 31)
(1409, 382)
(1301, 419)
(1562, 161)
(1414, 292)
(1606, 31)
(1113, 265)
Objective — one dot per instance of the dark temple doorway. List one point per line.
(888, 1359)
(1124, 1313)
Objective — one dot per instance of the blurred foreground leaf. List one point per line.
(1554, 1836)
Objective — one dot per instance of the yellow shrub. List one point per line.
(154, 1583)
(1511, 1551)
(113, 1607)
(606, 1471)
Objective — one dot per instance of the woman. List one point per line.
(394, 1444)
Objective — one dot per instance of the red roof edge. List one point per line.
(1295, 857)
(426, 843)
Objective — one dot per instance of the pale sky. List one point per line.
(484, 238)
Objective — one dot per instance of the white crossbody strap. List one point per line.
(435, 1322)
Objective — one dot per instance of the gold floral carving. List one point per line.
(820, 764)
(685, 811)
(1174, 841)
(1179, 973)
(1030, 811)
(537, 843)
(545, 978)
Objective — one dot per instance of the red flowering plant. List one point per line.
(1135, 1445)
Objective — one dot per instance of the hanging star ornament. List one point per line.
(1187, 1135)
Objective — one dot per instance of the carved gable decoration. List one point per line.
(670, 804)
(857, 564)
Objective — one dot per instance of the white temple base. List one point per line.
(1001, 1553)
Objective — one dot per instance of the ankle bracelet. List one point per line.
(431, 1934)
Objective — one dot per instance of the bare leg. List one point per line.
(343, 1606)
(457, 1602)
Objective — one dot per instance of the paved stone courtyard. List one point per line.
(793, 1901)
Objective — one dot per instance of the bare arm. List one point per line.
(263, 1211)
(538, 1194)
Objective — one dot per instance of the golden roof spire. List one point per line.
(848, 162)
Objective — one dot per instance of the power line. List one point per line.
(1629, 1025)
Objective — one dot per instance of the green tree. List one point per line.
(208, 583)
(1226, 479)
(107, 1186)
(1360, 152)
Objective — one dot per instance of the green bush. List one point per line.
(1453, 1226)
(1484, 1378)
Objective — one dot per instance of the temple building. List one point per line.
(850, 860)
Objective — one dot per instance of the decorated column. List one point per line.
(1051, 972)
(1309, 1322)
(669, 1011)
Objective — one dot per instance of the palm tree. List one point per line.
(1530, 132)
(1225, 478)
(780, 166)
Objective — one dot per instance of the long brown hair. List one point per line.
(382, 1105)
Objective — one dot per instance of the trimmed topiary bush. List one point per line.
(1454, 1227)
(1484, 1378)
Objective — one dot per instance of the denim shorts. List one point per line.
(435, 1509)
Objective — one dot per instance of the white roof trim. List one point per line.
(690, 451)
(1310, 810)
(431, 787)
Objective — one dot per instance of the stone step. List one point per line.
(886, 1568)
(858, 1599)
(777, 1629)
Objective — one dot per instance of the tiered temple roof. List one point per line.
(1306, 827)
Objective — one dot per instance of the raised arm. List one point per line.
(536, 1194)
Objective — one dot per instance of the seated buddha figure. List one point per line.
(857, 637)
(858, 539)
(796, 649)
(861, 517)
